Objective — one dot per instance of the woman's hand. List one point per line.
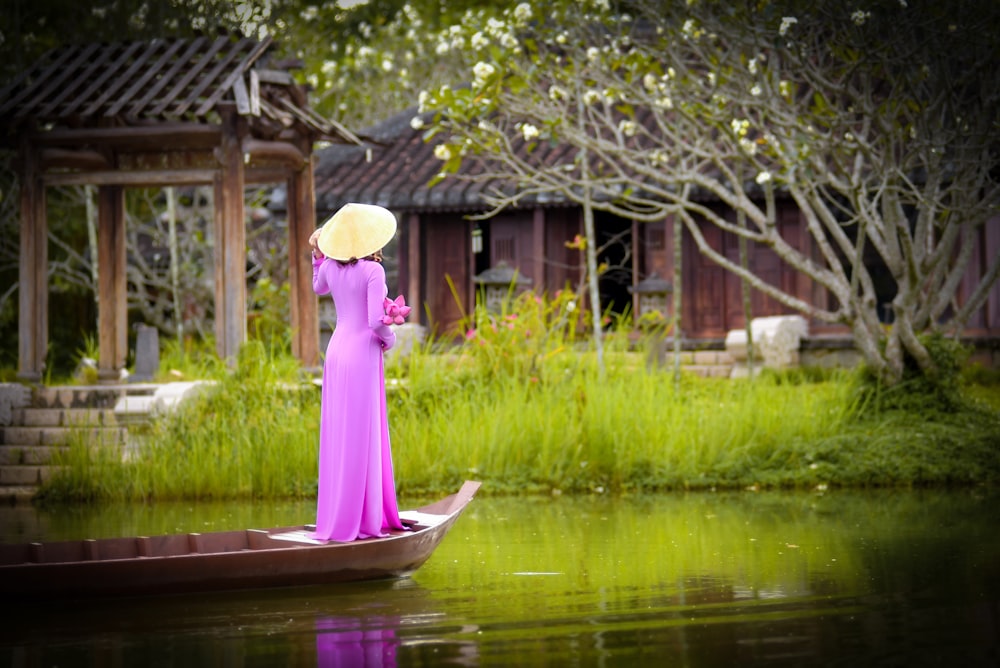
(313, 242)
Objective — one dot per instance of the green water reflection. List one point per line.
(844, 578)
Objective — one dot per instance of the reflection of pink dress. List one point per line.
(357, 495)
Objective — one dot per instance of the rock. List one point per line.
(776, 339)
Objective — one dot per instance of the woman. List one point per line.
(357, 495)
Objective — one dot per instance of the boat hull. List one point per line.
(222, 561)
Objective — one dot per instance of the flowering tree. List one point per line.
(881, 125)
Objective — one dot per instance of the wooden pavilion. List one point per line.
(168, 112)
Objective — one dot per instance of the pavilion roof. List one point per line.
(162, 81)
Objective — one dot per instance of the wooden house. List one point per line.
(438, 242)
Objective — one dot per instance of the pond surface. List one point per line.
(897, 578)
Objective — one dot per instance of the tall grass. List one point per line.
(521, 404)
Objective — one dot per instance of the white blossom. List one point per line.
(442, 48)
(495, 27)
(442, 152)
(784, 88)
(529, 132)
(763, 177)
(479, 41)
(786, 23)
(557, 93)
(416, 123)
(562, 38)
(482, 72)
(591, 97)
(756, 90)
(859, 16)
(740, 126)
(522, 12)
(593, 53)
(387, 65)
(649, 82)
(665, 102)
(628, 127)
(749, 147)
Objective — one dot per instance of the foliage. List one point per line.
(270, 314)
(923, 393)
(519, 339)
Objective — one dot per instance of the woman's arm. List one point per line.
(320, 285)
(376, 306)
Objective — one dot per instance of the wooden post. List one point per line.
(33, 304)
(538, 244)
(304, 307)
(414, 269)
(638, 251)
(112, 298)
(230, 243)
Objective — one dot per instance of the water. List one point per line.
(889, 578)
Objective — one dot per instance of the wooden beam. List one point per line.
(230, 244)
(161, 178)
(281, 151)
(174, 135)
(33, 269)
(112, 298)
(135, 179)
(304, 306)
(73, 159)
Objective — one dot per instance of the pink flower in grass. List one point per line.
(396, 311)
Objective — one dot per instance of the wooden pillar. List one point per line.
(112, 298)
(538, 244)
(638, 253)
(414, 268)
(230, 243)
(33, 288)
(304, 306)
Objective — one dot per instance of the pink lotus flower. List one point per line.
(396, 311)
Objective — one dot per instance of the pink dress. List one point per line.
(357, 495)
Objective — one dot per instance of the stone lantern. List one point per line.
(653, 294)
(497, 282)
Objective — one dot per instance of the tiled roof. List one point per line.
(394, 171)
(160, 80)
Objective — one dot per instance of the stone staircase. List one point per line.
(41, 422)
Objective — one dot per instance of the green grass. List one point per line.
(522, 405)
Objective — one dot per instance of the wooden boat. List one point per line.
(196, 562)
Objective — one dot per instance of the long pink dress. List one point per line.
(357, 494)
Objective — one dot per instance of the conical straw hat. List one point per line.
(356, 231)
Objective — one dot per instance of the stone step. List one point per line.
(24, 475)
(63, 417)
(88, 396)
(11, 455)
(14, 436)
(15, 494)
